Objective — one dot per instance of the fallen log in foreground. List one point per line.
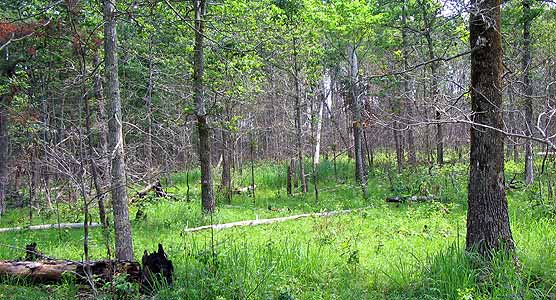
(270, 221)
(156, 267)
(49, 226)
(399, 199)
(54, 270)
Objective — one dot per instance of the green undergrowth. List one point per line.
(382, 251)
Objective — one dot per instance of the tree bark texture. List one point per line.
(488, 225)
(53, 270)
(207, 196)
(360, 168)
(122, 226)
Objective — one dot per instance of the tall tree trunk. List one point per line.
(488, 225)
(207, 196)
(226, 165)
(429, 20)
(99, 167)
(122, 226)
(527, 90)
(298, 120)
(148, 106)
(360, 169)
(4, 148)
(396, 132)
(408, 103)
(327, 96)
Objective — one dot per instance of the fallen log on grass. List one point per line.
(270, 221)
(400, 199)
(55, 270)
(156, 268)
(49, 226)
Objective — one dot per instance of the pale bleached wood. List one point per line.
(270, 221)
(49, 226)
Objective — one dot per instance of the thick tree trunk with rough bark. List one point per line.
(488, 225)
(207, 196)
(527, 90)
(122, 226)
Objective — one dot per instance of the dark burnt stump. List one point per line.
(157, 269)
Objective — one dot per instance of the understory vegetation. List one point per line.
(411, 250)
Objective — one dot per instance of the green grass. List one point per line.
(385, 251)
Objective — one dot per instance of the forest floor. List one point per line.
(408, 250)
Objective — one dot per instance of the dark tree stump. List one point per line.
(31, 253)
(157, 268)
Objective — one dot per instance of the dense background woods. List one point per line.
(103, 102)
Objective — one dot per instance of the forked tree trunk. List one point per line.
(207, 196)
(122, 226)
(488, 225)
(527, 90)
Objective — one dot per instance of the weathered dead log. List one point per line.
(399, 199)
(49, 226)
(273, 220)
(157, 268)
(55, 270)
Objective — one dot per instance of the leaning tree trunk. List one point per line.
(527, 90)
(203, 128)
(122, 226)
(488, 225)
